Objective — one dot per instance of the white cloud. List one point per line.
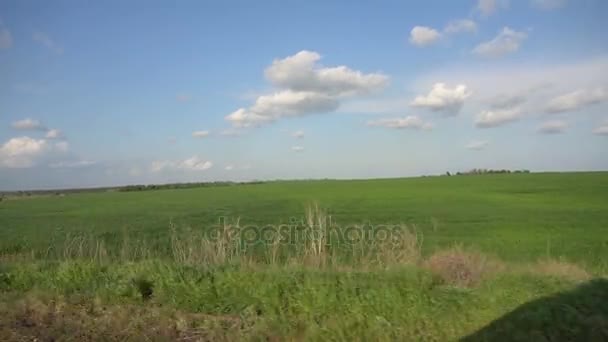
(443, 99)
(548, 4)
(530, 86)
(494, 118)
(305, 88)
(244, 118)
(287, 103)
(506, 42)
(54, 134)
(195, 164)
(24, 152)
(191, 164)
(298, 134)
(462, 25)
(553, 127)
(412, 122)
(45, 40)
(21, 152)
(297, 148)
(423, 36)
(477, 145)
(601, 129)
(200, 134)
(229, 168)
(6, 39)
(29, 125)
(576, 100)
(301, 74)
(489, 7)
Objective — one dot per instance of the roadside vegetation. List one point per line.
(314, 275)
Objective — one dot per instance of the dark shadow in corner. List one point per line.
(577, 315)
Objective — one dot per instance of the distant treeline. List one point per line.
(487, 171)
(126, 188)
(142, 187)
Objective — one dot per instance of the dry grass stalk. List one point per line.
(458, 267)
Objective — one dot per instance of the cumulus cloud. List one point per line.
(6, 39)
(489, 7)
(477, 145)
(21, 152)
(191, 164)
(443, 99)
(287, 103)
(25, 152)
(29, 125)
(424, 36)
(229, 167)
(494, 118)
(506, 42)
(298, 134)
(297, 148)
(200, 134)
(54, 134)
(459, 26)
(548, 4)
(576, 100)
(411, 122)
(601, 129)
(44, 39)
(553, 127)
(528, 87)
(305, 88)
(300, 73)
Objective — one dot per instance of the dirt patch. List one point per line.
(34, 319)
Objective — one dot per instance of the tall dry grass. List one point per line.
(463, 268)
(318, 245)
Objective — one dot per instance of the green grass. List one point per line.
(517, 216)
(506, 223)
(299, 303)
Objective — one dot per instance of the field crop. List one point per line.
(484, 257)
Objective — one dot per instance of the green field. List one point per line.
(539, 235)
(517, 216)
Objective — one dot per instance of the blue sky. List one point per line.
(115, 92)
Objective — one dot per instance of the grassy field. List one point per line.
(518, 217)
(474, 256)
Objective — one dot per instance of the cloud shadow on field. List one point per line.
(577, 315)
